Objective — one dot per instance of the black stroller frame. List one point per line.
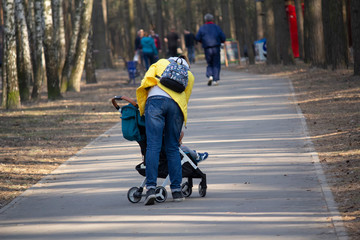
(190, 170)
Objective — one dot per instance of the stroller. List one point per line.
(133, 128)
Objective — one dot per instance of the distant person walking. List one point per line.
(138, 47)
(156, 39)
(172, 40)
(190, 42)
(149, 50)
(157, 42)
(211, 36)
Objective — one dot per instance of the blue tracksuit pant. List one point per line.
(212, 55)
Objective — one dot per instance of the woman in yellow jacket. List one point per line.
(165, 113)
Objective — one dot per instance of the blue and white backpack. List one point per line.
(175, 76)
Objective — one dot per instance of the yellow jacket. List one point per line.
(150, 80)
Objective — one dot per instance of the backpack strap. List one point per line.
(180, 59)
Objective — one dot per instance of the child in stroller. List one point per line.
(189, 162)
(195, 156)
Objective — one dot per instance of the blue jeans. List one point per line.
(191, 54)
(163, 118)
(212, 56)
(149, 59)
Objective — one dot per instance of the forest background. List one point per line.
(49, 46)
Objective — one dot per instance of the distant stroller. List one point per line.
(133, 127)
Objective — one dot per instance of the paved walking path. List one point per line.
(264, 180)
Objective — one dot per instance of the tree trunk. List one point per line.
(160, 25)
(328, 32)
(4, 80)
(148, 20)
(339, 46)
(189, 17)
(59, 28)
(4, 65)
(245, 15)
(315, 30)
(306, 35)
(272, 56)
(30, 20)
(140, 14)
(347, 26)
(132, 25)
(251, 10)
(24, 64)
(198, 17)
(300, 27)
(39, 67)
(123, 38)
(51, 53)
(225, 18)
(12, 90)
(102, 57)
(355, 27)
(259, 20)
(69, 11)
(56, 30)
(209, 6)
(77, 71)
(128, 50)
(232, 21)
(239, 26)
(89, 61)
(166, 18)
(69, 62)
(283, 33)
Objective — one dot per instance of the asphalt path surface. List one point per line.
(264, 178)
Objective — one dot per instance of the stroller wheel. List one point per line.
(202, 191)
(186, 189)
(134, 195)
(161, 194)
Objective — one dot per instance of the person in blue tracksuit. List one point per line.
(211, 36)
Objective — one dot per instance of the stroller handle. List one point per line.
(118, 98)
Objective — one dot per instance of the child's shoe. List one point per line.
(202, 156)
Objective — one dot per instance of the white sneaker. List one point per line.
(210, 80)
(216, 83)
